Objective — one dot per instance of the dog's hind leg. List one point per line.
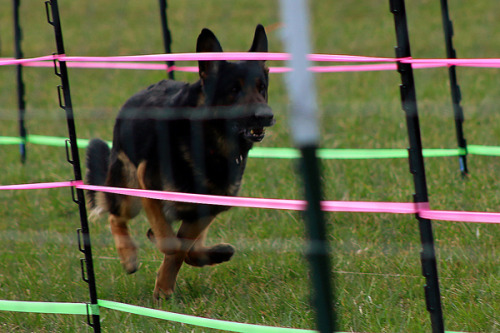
(125, 246)
(122, 209)
(199, 255)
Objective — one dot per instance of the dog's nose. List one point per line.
(265, 114)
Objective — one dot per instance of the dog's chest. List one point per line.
(214, 172)
(217, 168)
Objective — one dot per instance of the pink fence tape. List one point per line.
(194, 69)
(445, 215)
(12, 61)
(37, 186)
(128, 62)
(204, 199)
(231, 56)
(116, 65)
(281, 204)
(485, 62)
(199, 56)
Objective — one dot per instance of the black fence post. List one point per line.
(167, 36)
(417, 168)
(456, 96)
(88, 275)
(318, 252)
(21, 103)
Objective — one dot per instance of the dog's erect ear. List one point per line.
(207, 42)
(259, 40)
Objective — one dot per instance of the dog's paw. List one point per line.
(164, 287)
(160, 294)
(211, 255)
(130, 268)
(128, 259)
(221, 253)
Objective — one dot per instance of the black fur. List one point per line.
(183, 137)
(97, 166)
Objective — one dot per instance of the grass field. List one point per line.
(376, 267)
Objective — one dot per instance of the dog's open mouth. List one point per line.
(255, 134)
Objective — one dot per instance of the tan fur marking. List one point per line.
(131, 206)
(129, 171)
(125, 246)
(165, 237)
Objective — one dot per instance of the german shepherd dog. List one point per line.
(176, 136)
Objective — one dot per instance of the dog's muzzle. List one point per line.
(263, 117)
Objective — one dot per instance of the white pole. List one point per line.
(300, 81)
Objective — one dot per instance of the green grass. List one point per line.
(376, 267)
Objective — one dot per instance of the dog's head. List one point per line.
(239, 88)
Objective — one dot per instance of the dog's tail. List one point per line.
(97, 162)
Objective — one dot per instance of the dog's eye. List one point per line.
(235, 90)
(263, 90)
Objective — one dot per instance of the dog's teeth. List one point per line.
(239, 159)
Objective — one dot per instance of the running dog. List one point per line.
(176, 136)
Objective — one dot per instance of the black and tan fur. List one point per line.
(193, 138)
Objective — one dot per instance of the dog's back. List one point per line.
(165, 93)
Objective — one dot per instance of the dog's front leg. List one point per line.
(200, 255)
(164, 235)
(167, 274)
(165, 238)
(189, 233)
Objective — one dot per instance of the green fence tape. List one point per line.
(292, 153)
(93, 309)
(10, 140)
(264, 152)
(197, 321)
(48, 307)
(324, 153)
(483, 150)
(54, 141)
